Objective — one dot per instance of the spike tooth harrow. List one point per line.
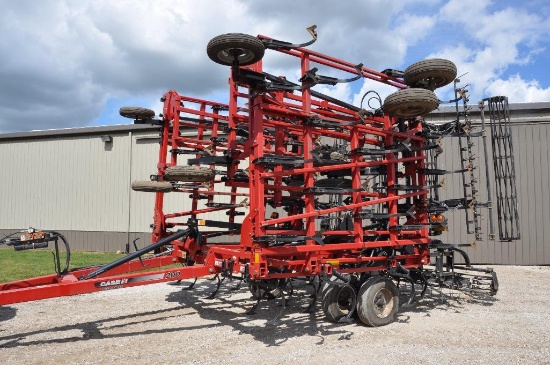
(269, 144)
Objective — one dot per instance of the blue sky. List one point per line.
(67, 64)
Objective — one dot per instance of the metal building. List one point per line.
(530, 127)
(77, 181)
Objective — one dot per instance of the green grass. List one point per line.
(28, 264)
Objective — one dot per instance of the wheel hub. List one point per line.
(382, 303)
(240, 54)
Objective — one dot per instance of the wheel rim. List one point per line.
(438, 81)
(228, 55)
(346, 299)
(382, 303)
(433, 82)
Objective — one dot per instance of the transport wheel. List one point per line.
(377, 301)
(135, 112)
(225, 48)
(431, 73)
(338, 301)
(334, 182)
(189, 173)
(325, 287)
(152, 186)
(408, 103)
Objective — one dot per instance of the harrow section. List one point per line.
(313, 187)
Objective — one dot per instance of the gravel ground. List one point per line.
(163, 324)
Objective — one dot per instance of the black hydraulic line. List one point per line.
(464, 255)
(137, 254)
(346, 278)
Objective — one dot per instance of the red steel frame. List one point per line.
(285, 113)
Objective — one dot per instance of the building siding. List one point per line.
(532, 179)
(80, 186)
(65, 184)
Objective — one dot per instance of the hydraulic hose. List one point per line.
(130, 257)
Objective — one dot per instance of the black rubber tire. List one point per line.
(435, 72)
(136, 112)
(152, 186)
(325, 287)
(408, 103)
(335, 182)
(377, 301)
(189, 173)
(250, 49)
(338, 301)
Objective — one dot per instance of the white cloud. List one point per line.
(62, 61)
(492, 42)
(519, 90)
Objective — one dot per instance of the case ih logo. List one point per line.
(111, 284)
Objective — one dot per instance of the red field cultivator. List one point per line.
(313, 188)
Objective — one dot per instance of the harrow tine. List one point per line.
(275, 321)
(311, 306)
(291, 290)
(424, 285)
(175, 283)
(253, 309)
(191, 286)
(213, 294)
(238, 286)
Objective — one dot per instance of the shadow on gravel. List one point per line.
(440, 299)
(92, 329)
(228, 310)
(222, 309)
(7, 313)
